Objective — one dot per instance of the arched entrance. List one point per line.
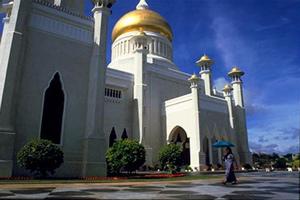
(178, 136)
(54, 100)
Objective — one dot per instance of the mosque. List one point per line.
(55, 84)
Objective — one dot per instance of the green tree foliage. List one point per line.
(289, 157)
(40, 157)
(280, 163)
(296, 163)
(127, 155)
(170, 157)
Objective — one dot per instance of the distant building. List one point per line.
(55, 85)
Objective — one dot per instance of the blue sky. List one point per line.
(260, 36)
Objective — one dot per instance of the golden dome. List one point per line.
(227, 88)
(204, 60)
(236, 71)
(142, 19)
(194, 77)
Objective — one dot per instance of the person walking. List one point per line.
(229, 167)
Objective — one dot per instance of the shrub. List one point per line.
(296, 163)
(170, 157)
(188, 168)
(126, 155)
(280, 163)
(40, 157)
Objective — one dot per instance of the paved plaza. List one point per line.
(252, 186)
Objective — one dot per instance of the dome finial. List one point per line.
(142, 5)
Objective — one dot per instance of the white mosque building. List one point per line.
(55, 84)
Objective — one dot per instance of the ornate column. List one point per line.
(95, 144)
(140, 51)
(195, 149)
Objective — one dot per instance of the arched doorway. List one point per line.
(112, 137)
(178, 136)
(54, 100)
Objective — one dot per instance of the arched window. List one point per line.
(124, 134)
(112, 137)
(54, 100)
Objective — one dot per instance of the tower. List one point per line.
(205, 63)
(239, 116)
(237, 84)
(95, 138)
(227, 90)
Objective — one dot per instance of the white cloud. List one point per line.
(219, 83)
(233, 49)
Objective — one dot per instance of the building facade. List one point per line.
(55, 84)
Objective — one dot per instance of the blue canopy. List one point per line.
(222, 143)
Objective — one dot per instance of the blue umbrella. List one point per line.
(222, 143)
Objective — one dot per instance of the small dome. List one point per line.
(227, 88)
(236, 71)
(204, 60)
(142, 19)
(194, 77)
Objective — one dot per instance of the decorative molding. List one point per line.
(60, 28)
(61, 9)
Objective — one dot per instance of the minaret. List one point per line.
(235, 74)
(205, 63)
(227, 90)
(240, 122)
(196, 156)
(95, 137)
(140, 51)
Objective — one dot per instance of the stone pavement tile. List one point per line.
(71, 193)
(195, 196)
(69, 198)
(245, 197)
(6, 194)
(101, 190)
(148, 186)
(32, 190)
(292, 191)
(175, 186)
(141, 190)
(254, 192)
(177, 192)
